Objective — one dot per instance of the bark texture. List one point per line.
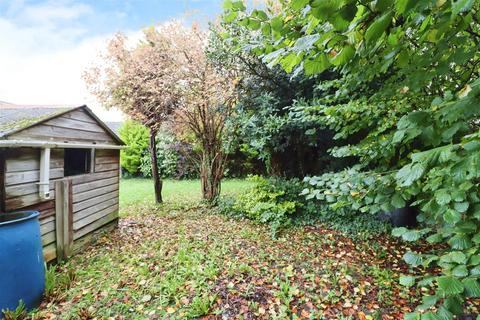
(157, 181)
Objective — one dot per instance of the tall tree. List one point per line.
(143, 81)
(209, 99)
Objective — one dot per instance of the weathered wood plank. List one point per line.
(46, 220)
(59, 219)
(47, 227)
(97, 224)
(32, 162)
(94, 192)
(19, 190)
(79, 115)
(106, 159)
(65, 122)
(91, 210)
(48, 238)
(49, 252)
(46, 209)
(63, 218)
(44, 131)
(91, 202)
(12, 178)
(94, 217)
(85, 178)
(24, 201)
(108, 153)
(106, 167)
(94, 185)
(47, 213)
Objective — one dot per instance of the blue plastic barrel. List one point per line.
(22, 268)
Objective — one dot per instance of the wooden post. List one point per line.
(63, 218)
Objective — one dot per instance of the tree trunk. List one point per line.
(157, 181)
(275, 166)
(211, 173)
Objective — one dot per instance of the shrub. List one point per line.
(272, 201)
(136, 137)
(173, 159)
(280, 203)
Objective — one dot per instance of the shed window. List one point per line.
(77, 161)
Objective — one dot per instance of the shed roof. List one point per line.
(15, 118)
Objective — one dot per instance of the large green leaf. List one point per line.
(407, 281)
(277, 24)
(317, 65)
(299, 4)
(402, 6)
(398, 201)
(410, 173)
(460, 242)
(230, 16)
(344, 55)
(460, 271)
(398, 232)
(290, 61)
(233, 5)
(472, 287)
(412, 259)
(450, 285)
(427, 302)
(411, 235)
(378, 27)
(452, 216)
(430, 316)
(384, 5)
(460, 6)
(443, 197)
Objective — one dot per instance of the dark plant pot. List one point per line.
(403, 217)
(22, 268)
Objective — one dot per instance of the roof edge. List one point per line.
(102, 124)
(61, 113)
(52, 144)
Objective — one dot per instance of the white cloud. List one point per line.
(43, 53)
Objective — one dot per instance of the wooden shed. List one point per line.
(64, 163)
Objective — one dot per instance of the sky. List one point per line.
(45, 46)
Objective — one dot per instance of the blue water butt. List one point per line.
(22, 268)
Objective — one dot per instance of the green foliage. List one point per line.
(20, 313)
(136, 137)
(405, 102)
(280, 203)
(173, 159)
(57, 280)
(262, 126)
(271, 201)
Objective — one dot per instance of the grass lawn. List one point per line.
(139, 191)
(182, 261)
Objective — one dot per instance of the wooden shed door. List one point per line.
(64, 218)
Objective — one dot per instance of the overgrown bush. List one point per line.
(271, 200)
(173, 158)
(136, 137)
(280, 203)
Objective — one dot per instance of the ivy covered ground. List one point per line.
(182, 261)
